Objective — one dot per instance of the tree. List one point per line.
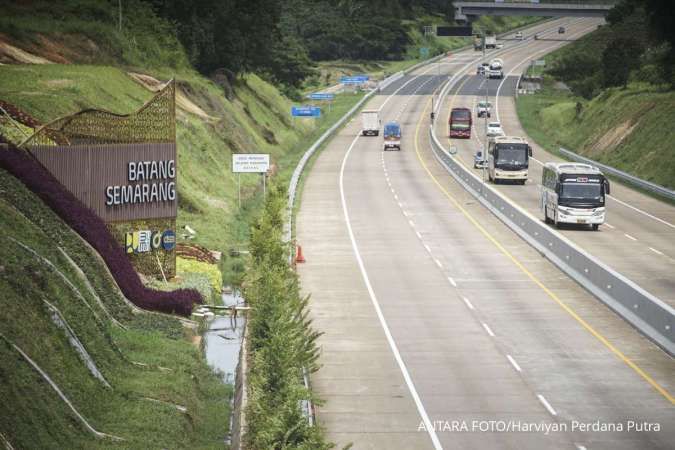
(618, 59)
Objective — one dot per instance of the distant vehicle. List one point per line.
(573, 193)
(483, 109)
(460, 123)
(495, 69)
(370, 120)
(480, 70)
(508, 158)
(500, 45)
(392, 136)
(478, 161)
(536, 36)
(561, 30)
(494, 129)
(519, 35)
(490, 41)
(477, 43)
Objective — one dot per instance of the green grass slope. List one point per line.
(630, 129)
(44, 265)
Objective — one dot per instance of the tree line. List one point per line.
(637, 44)
(282, 38)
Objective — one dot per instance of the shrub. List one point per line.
(92, 229)
(282, 342)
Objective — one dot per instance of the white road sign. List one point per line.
(250, 162)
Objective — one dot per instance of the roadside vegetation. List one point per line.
(282, 342)
(610, 95)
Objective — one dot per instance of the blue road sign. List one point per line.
(321, 96)
(356, 79)
(305, 111)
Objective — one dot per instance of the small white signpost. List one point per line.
(250, 163)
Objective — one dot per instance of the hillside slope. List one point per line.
(64, 312)
(630, 129)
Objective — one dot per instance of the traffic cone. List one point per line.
(298, 257)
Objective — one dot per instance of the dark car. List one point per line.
(561, 30)
(480, 70)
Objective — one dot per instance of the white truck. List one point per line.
(496, 69)
(491, 41)
(370, 119)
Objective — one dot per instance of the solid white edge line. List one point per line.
(468, 303)
(427, 247)
(399, 360)
(514, 363)
(438, 263)
(452, 281)
(487, 328)
(547, 405)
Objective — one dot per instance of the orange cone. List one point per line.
(298, 257)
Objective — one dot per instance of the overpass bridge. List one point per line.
(469, 10)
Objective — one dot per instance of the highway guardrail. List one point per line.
(628, 178)
(651, 316)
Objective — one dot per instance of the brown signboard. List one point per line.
(119, 182)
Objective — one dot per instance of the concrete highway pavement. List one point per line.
(425, 317)
(639, 240)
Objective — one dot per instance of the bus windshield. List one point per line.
(461, 114)
(460, 126)
(511, 154)
(581, 191)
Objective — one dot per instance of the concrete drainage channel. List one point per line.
(225, 350)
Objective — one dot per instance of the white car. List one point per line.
(519, 35)
(494, 129)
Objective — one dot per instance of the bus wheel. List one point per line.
(555, 220)
(596, 226)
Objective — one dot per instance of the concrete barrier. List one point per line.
(651, 316)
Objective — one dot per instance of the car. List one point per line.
(478, 161)
(519, 35)
(500, 45)
(494, 129)
(561, 30)
(480, 70)
(483, 109)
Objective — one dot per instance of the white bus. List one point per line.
(508, 159)
(573, 193)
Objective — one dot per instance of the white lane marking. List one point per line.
(438, 263)
(404, 85)
(400, 205)
(489, 331)
(513, 363)
(580, 447)
(658, 219)
(395, 197)
(405, 213)
(630, 237)
(412, 224)
(452, 281)
(656, 251)
(468, 303)
(547, 405)
(427, 247)
(418, 234)
(611, 227)
(392, 344)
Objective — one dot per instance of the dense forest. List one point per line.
(636, 45)
(282, 37)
